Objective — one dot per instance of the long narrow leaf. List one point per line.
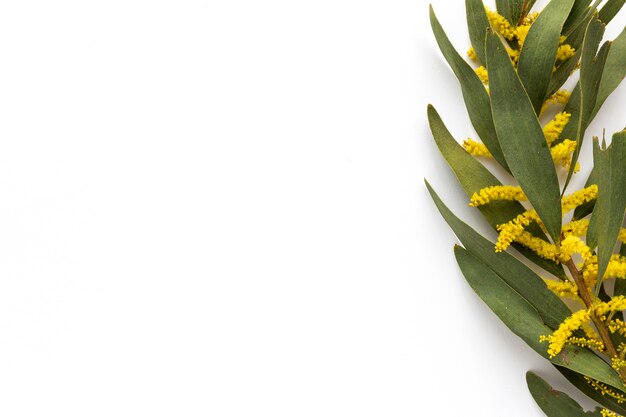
(537, 57)
(474, 94)
(591, 68)
(610, 10)
(555, 403)
(614, 70)
(521, 137)
(608, 214)
(510, 9)
(584, 386)
(477, 24)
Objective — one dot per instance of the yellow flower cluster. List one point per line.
(510, 231)
(616, 267)
(471, 53)
(561, 152)
(514, 230)
(576, 227)
(554, 127)
(617, 303)
(482, 74)
(562, 288)
(476, 148)
(618, 363)
(579, 197)
(520, 34)
(542, 248)
(605, 390)
(571, 245)
(622, 235)
(560, 336)
(565, 52)
(608, 413)
(617, 326)
(497, 192)
(500, 24)
(585, 342)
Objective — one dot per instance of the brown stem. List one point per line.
(603, 331)
(521, 18)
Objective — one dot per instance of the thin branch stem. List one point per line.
(603, 331)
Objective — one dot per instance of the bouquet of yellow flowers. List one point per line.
(572, 312)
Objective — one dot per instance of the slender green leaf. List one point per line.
(610, 208)
(537, 57)
(474, 92)
(555, 403)
(523, 320)
(610, 9)
(563, 72)
(614, 70)
(511, 9)
(579, 382)
(521, 137)
(578, 13)
(510, 269)
(591, 68)
(477, 24)
(473, 177)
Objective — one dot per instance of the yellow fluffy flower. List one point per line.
(605, 390)
(608, 413)
(617, 303)
(558, 339)
(579, 197)
(585, 342)
(573, 244)
(510, 231)
(471, 53)
(476, 148)
(542, 248)
(500, 24)
(482, 74)
(553, 128)
(561, 152)
(497, 192)
(576, 227)
(562, 288)
(521, 32)
(565, 52)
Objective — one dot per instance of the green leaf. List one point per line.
(591, 68)
(555, 403)
(608, 214)
(473, 177)
(523, 320)
(610, 10)
(516, 313)
(521, 278)
(537, 57)
(474, 92)
(614, 70)
(578, 13)
(579, 382)
(510, 9)
(521, 137)
(477, 24)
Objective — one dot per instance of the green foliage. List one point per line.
(528, 59)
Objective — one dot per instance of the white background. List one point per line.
(216, 208)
